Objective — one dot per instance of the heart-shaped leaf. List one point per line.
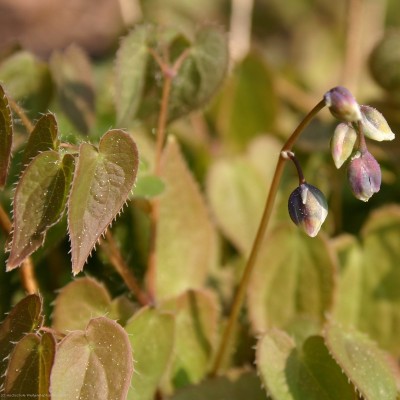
(308, 373)
(362, 361)
(43, 137)
(78, 302)
(39, 202)
(152, 350)
(25, 317)
(6, 136)
(102, 182)
(29, 368)
(93, 364)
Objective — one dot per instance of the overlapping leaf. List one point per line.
(102, 182)
(29, 368)
(93, 364)
(6, 136)
(39, 202)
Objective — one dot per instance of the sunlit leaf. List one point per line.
(78, 302)
(6, 136)
(39, 202)
(25, 317)
(72, 73)
(307, 373)
(361, 360)
(152, 350)
(294, 278)
(93, 364)
(186, 241)
(102, 182)
(148, 186)
(196, 317)
(43, 137)
(28, 372)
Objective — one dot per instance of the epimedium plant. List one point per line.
(165, 336)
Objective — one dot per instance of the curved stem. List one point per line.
(21, 113)
(296, 163)
(240, 293)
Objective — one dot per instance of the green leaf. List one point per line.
(234, 386)
(306, 373)
(196, 316)
(6, 136)
(186, 241)
(102, 182)
(72, 73)
(78, 302)
(148, 186)
(39, 202)
(29, 368)
(293, 279)
(364, 364)
(130, 71)
(28, 81)
(25, 317)
(237, 188)
(43, 137)
(93, 364)
(152, 350)
(201, 74)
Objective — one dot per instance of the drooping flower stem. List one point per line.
(241, 290)
(290, 154)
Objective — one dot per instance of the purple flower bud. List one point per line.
(342, 104)
(364, 175)
(308, 208)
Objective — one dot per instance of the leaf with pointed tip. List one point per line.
(43, 137)
(6, 136)
(186, 240)
(102, 182)
(72, 73)
(294, 278)
(25, 317)
(196, 316)
(130, 71)
(78, 302)
(39, 202)
(152, 350)
(234, 386)
(363, 363)
(308, 373)
(96, 363)
(29, 368)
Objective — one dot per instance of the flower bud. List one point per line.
(342, 104)
(342, 143)
(308, 208)
(364, 175)
(374, 124)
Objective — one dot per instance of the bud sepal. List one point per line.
(374, 125)
(342, 143)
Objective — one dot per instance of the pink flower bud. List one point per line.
(364, 175)
(342, 104)
(308, 208)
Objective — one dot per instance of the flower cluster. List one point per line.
(307, 205)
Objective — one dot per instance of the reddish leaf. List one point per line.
(6, 134)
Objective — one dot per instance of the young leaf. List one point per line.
(186, 242)
(6, 136)
(72, 74)
(39, 202)
(93, 364)
(294, 278)
(78, 302)
(152, 350)
(363, 363)
(25, 317)
(28, 372)
(196, 316)
(309, 373)
(42, 138)
(102, 182)
(130, 71)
